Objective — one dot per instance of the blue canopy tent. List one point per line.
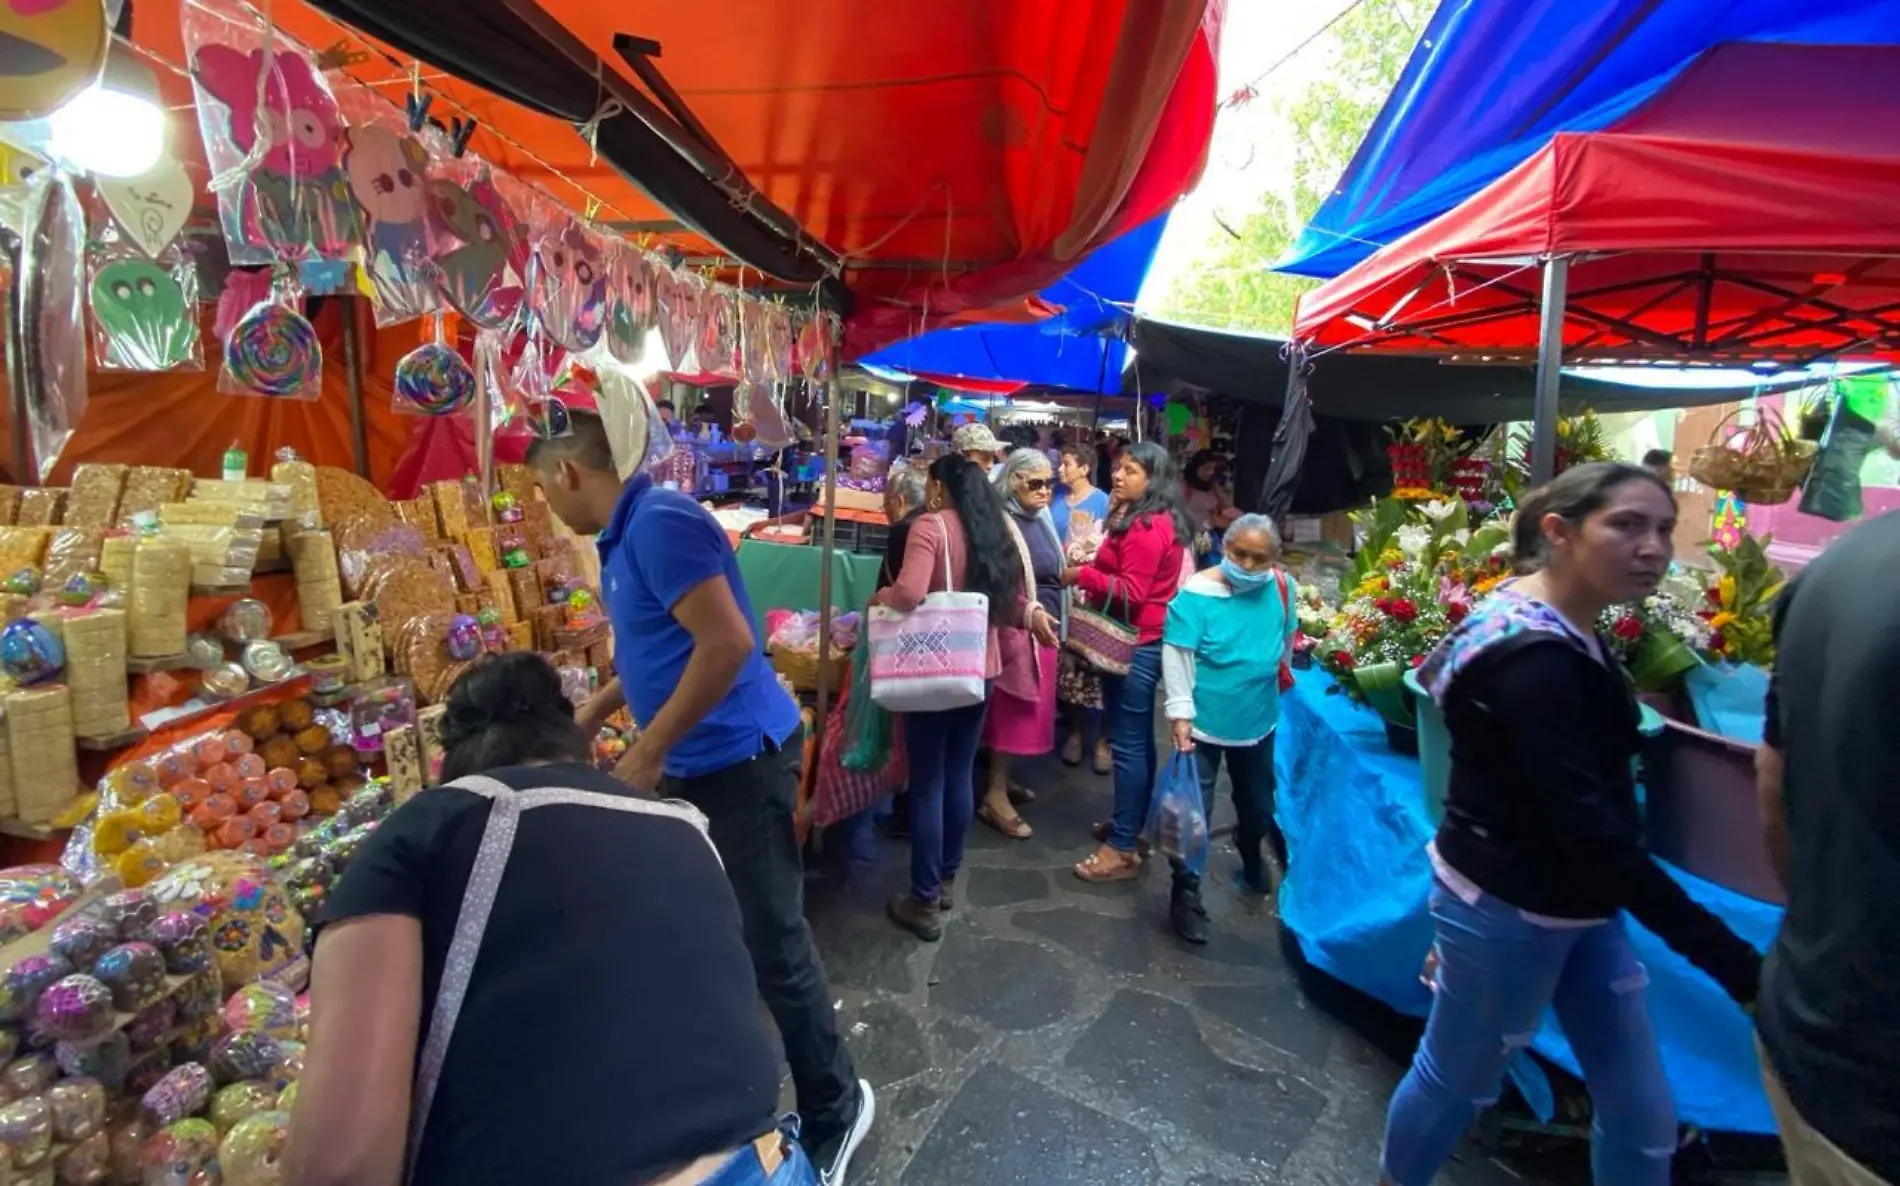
(1491, 82)
(1079, 349)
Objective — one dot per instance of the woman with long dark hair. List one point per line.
(965, 542)
(1208, 503)
(446, 1001)
(1541, 849)
(1133, 577)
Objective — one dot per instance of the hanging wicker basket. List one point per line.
(1762, 463)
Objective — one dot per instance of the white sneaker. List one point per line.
(840, 1159)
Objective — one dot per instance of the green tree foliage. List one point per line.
(1323, 118)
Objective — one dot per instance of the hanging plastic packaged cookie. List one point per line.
(52, 314)
(477, 240)
(144, 311)
(681, 298)
(274, 139)
(631, 303)
(719, 332)
(273, 351)
(388, 168)
(817, 347)
(568, 286)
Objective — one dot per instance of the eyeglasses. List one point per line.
(1035, 485)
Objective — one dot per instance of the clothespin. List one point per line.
(417, 108)
(593, 210)
(460, 131)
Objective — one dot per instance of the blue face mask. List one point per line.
(1241, 579)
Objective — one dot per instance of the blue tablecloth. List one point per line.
(1358, 879)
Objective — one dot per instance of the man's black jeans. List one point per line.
(749, 810)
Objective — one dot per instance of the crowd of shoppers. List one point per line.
(1537, 861)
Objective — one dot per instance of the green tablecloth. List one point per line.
(785, 576)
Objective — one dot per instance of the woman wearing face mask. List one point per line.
(1541, 850)
(1228, 629)
(1022, 716)
(1134, 576)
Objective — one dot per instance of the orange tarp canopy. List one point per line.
(954, 157)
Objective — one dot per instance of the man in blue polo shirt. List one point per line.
(718, 731)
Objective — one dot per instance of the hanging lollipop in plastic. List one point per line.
(779, 364)
(434, 380)
(765, 405)
(477, 244)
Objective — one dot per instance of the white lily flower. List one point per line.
(1413, 539)
(1439, 509)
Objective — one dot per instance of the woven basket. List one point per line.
(801, 668)
(1763, 463)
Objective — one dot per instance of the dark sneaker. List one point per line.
(832, 1156)
(1188, 915)
(1253, 873)
(922, 919)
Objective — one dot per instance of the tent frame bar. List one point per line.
(1550, 361)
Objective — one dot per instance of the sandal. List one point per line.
(1100, 832)
(1011, 825)
(1106, 864)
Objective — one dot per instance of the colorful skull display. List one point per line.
(254, 928)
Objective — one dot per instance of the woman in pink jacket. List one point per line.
(1133, 578)
(965, 542)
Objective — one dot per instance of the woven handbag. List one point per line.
(1104, 641)
(932, 658)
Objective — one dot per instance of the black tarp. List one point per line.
(1350, 386)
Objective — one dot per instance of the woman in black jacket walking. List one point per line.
(1541, 848)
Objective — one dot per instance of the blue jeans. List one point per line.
(745, 1169)
(942, 754)
(1496, 973)
(1128, 701)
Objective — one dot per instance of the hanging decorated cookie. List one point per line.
(49, 52)
(680, 301)
(570, 285)
(142, 318)
(719, 332)
(815, 348)
(293, 200)
(632, 303)
(388, 171)
(477, 246)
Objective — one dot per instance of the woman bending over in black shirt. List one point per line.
(1541, 850)
(535, 975)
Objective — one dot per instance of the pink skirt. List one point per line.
(1024, 727)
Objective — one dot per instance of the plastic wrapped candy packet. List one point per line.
(567, 289)
(476, 240)
(282, 198)
(144, 312)
(388, 167)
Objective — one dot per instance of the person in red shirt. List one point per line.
(1133, 577)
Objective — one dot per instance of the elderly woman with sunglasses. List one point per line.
(1022, 714)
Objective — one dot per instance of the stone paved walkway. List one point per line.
(1060, 1035)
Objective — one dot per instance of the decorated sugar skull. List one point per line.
(182, 1154)
(41, 892)
(24, 582)
(630, 286)
(254, 928)
(250, 1153)
(465, 638)
(570, 290)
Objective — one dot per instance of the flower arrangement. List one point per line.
(1661, 638)
(1740, 602)
(1419, 571)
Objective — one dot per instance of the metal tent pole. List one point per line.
(829, 550)
(353, 368)
(1550, 361)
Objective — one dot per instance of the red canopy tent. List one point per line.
(1746, 214)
